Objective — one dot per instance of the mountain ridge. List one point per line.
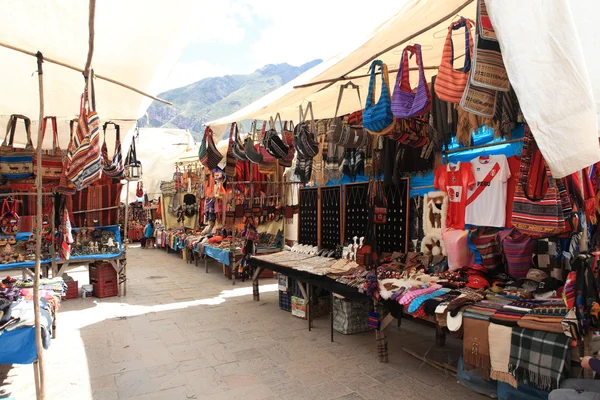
(216, 97)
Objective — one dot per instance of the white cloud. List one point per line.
(220, 23)
(190, 72)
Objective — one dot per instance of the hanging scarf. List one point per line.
(476, 347)
(499, 340)
(67, 237)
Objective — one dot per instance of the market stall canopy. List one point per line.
(159, 149)
(132, 46)
(571, 33)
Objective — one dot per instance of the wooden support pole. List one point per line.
(41, 393)
(125, 225)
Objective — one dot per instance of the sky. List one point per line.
(240, 36)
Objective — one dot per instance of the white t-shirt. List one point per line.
(486, 202)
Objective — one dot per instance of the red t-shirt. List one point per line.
(455, 179)
(514, 164)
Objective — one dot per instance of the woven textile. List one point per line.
(93, 198)
(377, 116)
(518, 252)
(499, 341)
(476, 347)
(539, 358)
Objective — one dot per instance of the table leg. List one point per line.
(255, 286)
(309, 307)
(303, 290)
(332, 309)
(440, 335)
(206, 264)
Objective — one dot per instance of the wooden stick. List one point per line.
(62, 64)
(354, 77)
(435, 364)
(125, 233)
(95, 210)
(41, 394)
(91, 32)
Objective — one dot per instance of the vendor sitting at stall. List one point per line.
(580, 389)
(148, 233)
(208, 229)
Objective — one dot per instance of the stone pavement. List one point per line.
(183, 334)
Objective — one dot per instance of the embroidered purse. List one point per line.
(377, 116)
(16, 163)
(113, 168)
(65, 186)
(52, 160)
(405, 101)
(231, 160)
(208, 153)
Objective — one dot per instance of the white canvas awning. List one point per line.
(137, 42)
(571, 35)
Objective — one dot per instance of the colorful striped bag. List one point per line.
(52, 160)
(450, 83)
(85, 165)
(537, 206)
(231, 159)
(16, 163)
(113, 168)
(377, 116)
(405, 101)
(65, 186)
(208, 153)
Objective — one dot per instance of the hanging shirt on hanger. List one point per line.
(455, 179)
(486, 202)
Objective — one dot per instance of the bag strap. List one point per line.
(11, 127)
(5, 206)
(117, 130)
(385, 85)
(14, 208)
(340, 95)
(55, 145)
(277, 116)
(232, 132)
(90, 91)
(448, 51)
(309, 109)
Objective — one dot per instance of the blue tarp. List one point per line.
(18, 346)
(221, 255)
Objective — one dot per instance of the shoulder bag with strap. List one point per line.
(113, 168)
(209, 155)
(288, 138)
(85, 165)
(52, 160)
(334, 133)
(16, 163)
(274, 144)
(260, 145)
(304, 134)
(231, 159)
(65, 186)
(537, 206)
(405, 101)
(238, 147)
(133, 166)
(377, 116)
(252, 153)
(450, 83)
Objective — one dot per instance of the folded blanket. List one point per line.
(541, 326)
(499, 341)
(539, 358)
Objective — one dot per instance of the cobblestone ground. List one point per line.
(181, 333)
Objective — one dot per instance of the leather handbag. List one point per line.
(16, 163)
(274, 144)
(208, 153)
(450, 83)
(85, 165)
(231, 160)
(334, 133)
(252, 153)
(378, 118)
(238, 147)
(406, 102)
(113, 168)
(133, 166)
(65, 186)
(52, 160)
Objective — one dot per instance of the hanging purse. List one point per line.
(275, 145)
(52, 160)
(65, 186)
(252, 154)
(238, 147)
(377, 116)
(231, 160)
(378, 201)
(334, 133)
(16, 163)
(133, 166)
(406, 102)
(450, 83)
(208, 153)
(260, 144)
(139, 191)
(288, 138)
(85, 166)
(304, 137)
(113, 168)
